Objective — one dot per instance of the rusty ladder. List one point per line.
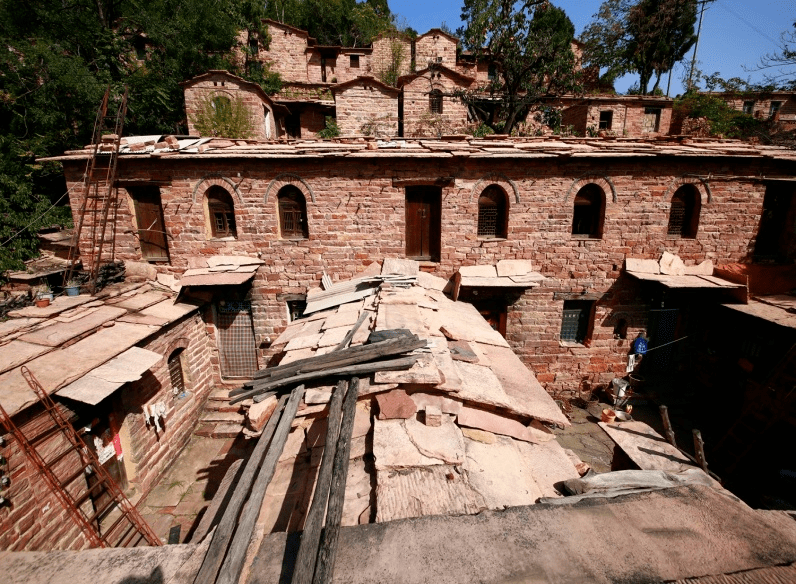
(80, 499)
(100, 193)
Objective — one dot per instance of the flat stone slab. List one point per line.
(18, 353)
(444, 442)
(418, 492)
(395, 404)
(648, 449)
(483, 420)
(507, 268)
(500, 473)
(423, 372)
(394, 449)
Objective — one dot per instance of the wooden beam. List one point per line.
(327, 554)
(348, 356)
(350, 335)
(223, 533)
(233, 563)
(311, 537)
(390, 365)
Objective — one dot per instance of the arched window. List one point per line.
(493, 213)
(684, 212)
(177, 365)
(221, 212)
(222, 105)
(435, 101)
(292, 213)
(588, 212)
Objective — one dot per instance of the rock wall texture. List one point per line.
(356, 208)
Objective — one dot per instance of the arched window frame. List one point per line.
(684, 210)
(179, 371)
(292, 213)
(588, 213)
(493, 213)
(220, 212)
(435, 101)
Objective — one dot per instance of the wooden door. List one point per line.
(423, 222)
(151, 228)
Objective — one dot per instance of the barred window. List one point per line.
(292, 213)
(492, 213)
(575, 320)
(606, 120)
(221, 211)
(684, 213)
(175, 364)
(435, 101)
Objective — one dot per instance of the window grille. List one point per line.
(175, 371)
(435, 101)
(292, 214)
(676, 218)
(684, 213)
(222, 212)
(492, 213)
(575, 320)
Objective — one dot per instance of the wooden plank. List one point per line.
(364, 368)
(327, 553)
(233, 563)
(223, 533)
(311, 537)
(338, 358)
(344, 343)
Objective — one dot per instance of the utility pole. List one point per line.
(696, 45)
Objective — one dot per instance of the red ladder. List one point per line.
(129, 529)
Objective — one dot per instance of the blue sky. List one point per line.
(734, 32)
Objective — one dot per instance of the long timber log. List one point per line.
(327, 554)
(350, 356)
(223, 533)
(311, 536)
(233, 563)
(361, 369)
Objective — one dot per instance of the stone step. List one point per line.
(226, 430)
(219, 394)
(222, 406)
(222, 418)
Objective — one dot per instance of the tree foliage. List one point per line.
(57, 59)
(781, 66)
(647, 37)
(530, 45)
(335, 22)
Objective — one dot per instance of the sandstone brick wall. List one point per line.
(418, 119)
(148, 453)
(287, 54)
(367, 108)
(628, 118)
(357, 215)
(382, 57)
(227, 86)
(762, 106)
(435, 47)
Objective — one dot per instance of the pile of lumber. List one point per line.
(359, 360)
(352, 290)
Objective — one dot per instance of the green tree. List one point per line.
(58, 58)
(530, 45)
(647, 37)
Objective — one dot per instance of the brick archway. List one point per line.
(180, 343)
(698, 183)
(218, 181)
(601, 181)
(495, 178)
(285, 179)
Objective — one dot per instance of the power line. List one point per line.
(746, 22)
(29, 225)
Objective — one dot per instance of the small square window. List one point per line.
(354, 61)
(748, 107)
(606, 120)
(575, 320)
(775, 105)
(652, 119)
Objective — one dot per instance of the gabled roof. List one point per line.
(438, 31)
(240, 81)
(293, 29)
(365, 80)
(404, 79)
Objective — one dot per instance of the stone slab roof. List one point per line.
(779, 309)
(76, 335)
(460, 146)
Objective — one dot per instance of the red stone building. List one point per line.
(577, 209)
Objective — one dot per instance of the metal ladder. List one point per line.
(77, 497)
(100, 193)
